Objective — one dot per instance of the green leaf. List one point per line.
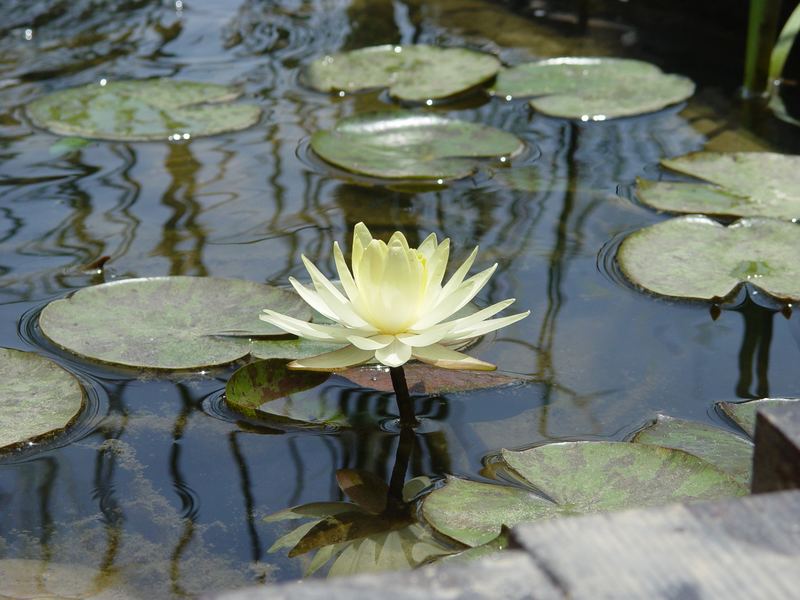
(143, 110)
(267, 389)
(493, 546)
(744, 413)
(38, 398)
(731, 453)
(67, 145)
(413, 73)
(593, 88)
(408, 145)
(166, 322)
(289, 348)
(429, 380)
(573, 478)
(744, 184)
(696, 257)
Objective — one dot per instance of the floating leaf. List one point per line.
(289, 348)
(696, 257)
(744, 184)
(576, 478)
(166, 322)
(37, 399)
(67, 145)
(21, 578)
(407, 145)
(267, 389)
(744, 413)
(593, 88)
(143, 110)
(470, 554)
(429, 380)
(415, 73)
(731, 453)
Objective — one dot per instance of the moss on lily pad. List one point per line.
(593, 89)
(143, 110)
(744, 413)
(167, 322)
(415, 73)
(696, 257)
(409, 145)
(37, 398)
(572, 478)
(741, 184)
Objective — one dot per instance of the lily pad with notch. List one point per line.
(408, 145)
(740, 184)
(413, 73)
(744, 413)
(596, 89)
(38, 398)
(695, 257)
(143, 110)
(266, 389)
(572, 478)
(166, 322)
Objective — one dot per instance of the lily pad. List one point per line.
(415, 73)
(408, 145)
(429, 380)
(166, 322)
(573, 478)
(593, 88)
(696, 257)
(143, 110)
(37, 399)
(267, 389)
(289, 348)
(730, 452)
(741, 184)
(744, 413)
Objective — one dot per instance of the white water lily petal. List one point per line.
(320, 281)
(348, 283)
(459, 325)
(428, 246)
(432, 336)
(485, 327)
(455, 301)
(313, 300)
(376, 342)
(394, 355)
(334, 299)
(323, 333)
(349, 356)
(455, 281)
(361, 240)
(440, 356)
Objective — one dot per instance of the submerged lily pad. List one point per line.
(166, 322)
(407, 145)
(416, 73)
(730, 452)
(428, 380)
(37, 398)
(740, 184)
(143, 110)
(744, 413)
(573, 478)
(696, 257)
(267, 389)
(593, 88)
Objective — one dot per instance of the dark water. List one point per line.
(157, 481)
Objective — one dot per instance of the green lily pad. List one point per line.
(68, 145)
(573, 478)
(289, 348)
(696, 257)
(744, 413)
(143, 110)
(593, 88)
(267, 389)
(730, 452)
(493, 546)
(741, 184)
(429, 380)
(407, 145)
(166, 322)
(37, 399)
(414, 73)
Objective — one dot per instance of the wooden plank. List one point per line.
(510, 575)
(776, 461)
(742, 548)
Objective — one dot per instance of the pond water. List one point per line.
(158, 482)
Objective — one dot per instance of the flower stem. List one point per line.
(404, 403)
(405, 446)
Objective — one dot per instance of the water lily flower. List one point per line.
(393, 306)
